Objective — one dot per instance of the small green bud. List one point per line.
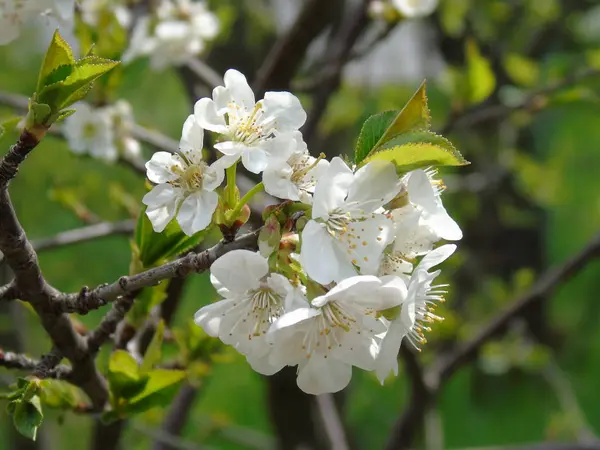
(269, 236)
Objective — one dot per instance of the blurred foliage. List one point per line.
(530, 199)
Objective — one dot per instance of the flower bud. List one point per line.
(269, 236)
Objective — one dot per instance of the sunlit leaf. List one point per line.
(57, 62)
(28, 416)
(481, 78)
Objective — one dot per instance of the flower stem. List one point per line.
(246, 198)
(230, 188)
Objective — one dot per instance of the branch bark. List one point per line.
(18, 361)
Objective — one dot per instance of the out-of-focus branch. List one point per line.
(541, 290)
(205, 73)
(336, 55)
(543, 446)
(287, 54)
(406, 426)
(332, 422)
(330, 69)
(83, 234)
(485, 112)
(18, 361)
(9, 291)
(177, 416)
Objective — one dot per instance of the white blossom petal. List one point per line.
(240, 270)
(196, 211)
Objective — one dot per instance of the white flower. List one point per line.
(415, 8)
(91, 130)
(417, 309)
(294, 178)
(181, 33)
(16, 13)
(247, 126)
(424, 220)
(333, 335)
(254, 299)
(185, 186)
(345, 232)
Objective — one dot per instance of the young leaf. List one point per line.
(417, 149)
(371, 132)
(162, 385)
(156, 247)
(27, 416)
(64, 114)
(124, 377)
(58, 55)
(381, 128)
(154, 351)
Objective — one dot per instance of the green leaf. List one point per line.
(58, 55)
(64, 114)
(60, 394)
(480, 76)
(124, 378)
(76, 86)
(159, 391)
(154, 350)
(40, 113)
(28, 416)
(418, 149)
(381, 128)
(371, 132)
(154, 248)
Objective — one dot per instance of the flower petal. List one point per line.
(374, 184)
(196, 211)
(158, 169)
(162, 202)
(240, 270)
(284, 110)
(208, 117)
(209, 317)
(321, 376)
(332, 188)
(278, 182)
(318, 256)
(241, 92)
(254, 159)
(192, 138)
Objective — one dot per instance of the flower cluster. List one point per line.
(340, 288)
(176, 31)
(103, 132)
(15, 14)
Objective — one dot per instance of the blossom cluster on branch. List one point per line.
(344, 270)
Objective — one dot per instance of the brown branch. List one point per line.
(48, 363)
(176, 417)
(87, 300)
(18, 361)
(109, 323)
(21, 257)
(9, 291)
(287, 54)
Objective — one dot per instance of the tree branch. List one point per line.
(86, 300)
(84, 234)
(109, 323)
(332, 422)
(9, 291)
(287, 54)
(18, 361)
(337, 55)
(485, 112)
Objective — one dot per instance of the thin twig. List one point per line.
(18, 361)
(84, 234)
(423, 394)
(485, 113)
(109, 323)
(209, 77)
(48, 363)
